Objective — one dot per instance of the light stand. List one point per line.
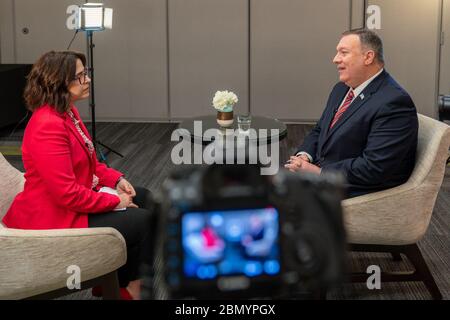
(93, 17)
(90, 62)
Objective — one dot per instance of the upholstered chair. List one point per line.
(395, 220)
(43, 264)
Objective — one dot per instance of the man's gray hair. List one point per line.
(369, 40)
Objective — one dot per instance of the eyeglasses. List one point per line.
(82, 77)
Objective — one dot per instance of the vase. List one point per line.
(225, 119)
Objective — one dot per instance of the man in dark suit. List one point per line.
(368, 130)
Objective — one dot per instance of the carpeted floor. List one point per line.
(147, 149)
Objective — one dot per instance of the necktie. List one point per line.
(343, 108)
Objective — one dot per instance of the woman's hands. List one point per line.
(123, 186)
(126, 201)
(126, 194)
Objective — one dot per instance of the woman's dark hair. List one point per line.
(49, 80)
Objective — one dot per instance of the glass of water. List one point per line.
(244, 122)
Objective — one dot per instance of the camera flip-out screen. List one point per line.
(232, 242)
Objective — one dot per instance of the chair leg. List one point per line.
(412, 252)
(415, 256)
(110, 286)
(396, 256)
(109, 283)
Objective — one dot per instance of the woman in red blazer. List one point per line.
(62, 174)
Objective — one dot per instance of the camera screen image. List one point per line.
(232, 242)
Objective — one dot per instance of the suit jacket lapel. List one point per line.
(355, 105)
(75, 132)
(85, 130)
(335, 103)
(360, 100)
(337, 100)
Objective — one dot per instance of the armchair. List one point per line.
(34, 263)
(394, 220)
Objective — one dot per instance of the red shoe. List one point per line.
(97, 291)
(124, 294)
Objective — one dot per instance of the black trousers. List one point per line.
(138, 227)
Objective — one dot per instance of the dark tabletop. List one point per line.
(257, 122)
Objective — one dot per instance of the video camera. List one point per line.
(229, 232)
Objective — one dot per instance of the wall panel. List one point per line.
(410, 32)
(292, 47)
(208, 52)
(130, 60)
(284, 63)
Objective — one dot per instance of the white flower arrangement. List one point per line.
(224, 101)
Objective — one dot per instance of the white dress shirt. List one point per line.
(359, 89)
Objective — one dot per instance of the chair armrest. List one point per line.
(37, 261)
(397, 216)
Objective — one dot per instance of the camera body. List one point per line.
(444, 107)
(227, 231)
